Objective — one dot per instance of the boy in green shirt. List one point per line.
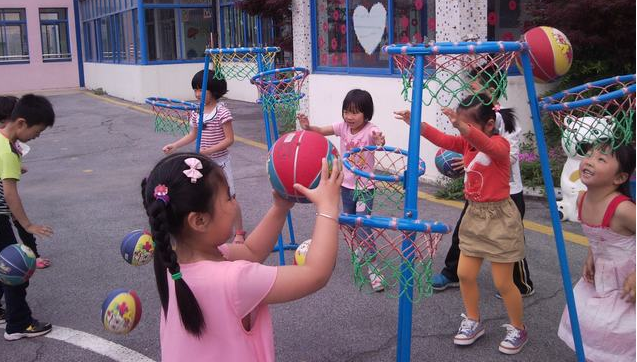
(32, 115)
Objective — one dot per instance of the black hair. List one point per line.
(217, 87)
(35, 110)
(483, 110)
(625, 156)
(7, 103)
(360, 101)
(491, 78)
(166, 219)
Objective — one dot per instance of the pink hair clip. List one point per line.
(496, 108)
(161, 193)
(192, 172)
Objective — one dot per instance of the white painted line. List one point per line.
(95, 344)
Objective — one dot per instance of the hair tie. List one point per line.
(194, 164)
(496, 108)
(161, 193)
(176, 276)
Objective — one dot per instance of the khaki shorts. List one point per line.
(492, 231)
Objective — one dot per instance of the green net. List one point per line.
(171, 120)
(449, 79)
(381, 263)
(610, 122)
(239, 65)
(280, 92)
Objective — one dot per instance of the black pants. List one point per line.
(18, 313)
(27, 238)
(521, 276)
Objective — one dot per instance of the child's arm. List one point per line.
(228, 132)
(187, 139)
(628, 292)
(296, 281)
(440, 139)
(498, 151)
(625, 215)
(304, 122)
(15, 205)
(589, 267)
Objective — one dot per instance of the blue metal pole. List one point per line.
(405, 306)
(143, 37)
(550, 193)
(78, 42)
(204, 88)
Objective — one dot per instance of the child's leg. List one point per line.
(27, 238)
(503, 280)
(468, 270)
(364, 203)
(18, 313)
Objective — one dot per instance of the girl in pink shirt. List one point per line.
(492, 226)
(214, 295)
(356, 130)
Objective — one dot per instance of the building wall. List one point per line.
(37, 74)
(137, 82)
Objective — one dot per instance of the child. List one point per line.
(7, 103)
(607, 215)
(492, 226)
(356, 130)
(31, 115)
(215, 296)
(216, 137)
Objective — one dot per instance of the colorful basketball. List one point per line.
(296, 158)
(550, 51)
(301, 252)
(17, 264)
(138, 247)
(444, 158)
(121, 311)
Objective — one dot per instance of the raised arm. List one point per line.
(431, 133)
(304, 122)
(496, 148)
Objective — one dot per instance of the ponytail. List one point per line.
(509, 119)
(625, 155)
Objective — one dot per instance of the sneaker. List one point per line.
(35, 329)
(524, 295)
(514, 340)
(439, 282)
(376, 280)
(468, 332)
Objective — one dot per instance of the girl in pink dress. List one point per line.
(605, 295)
(214, 295)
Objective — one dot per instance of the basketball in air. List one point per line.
(296, 158)
(301, 252)
(444, 160)
(137, 247)
(550, 52)
(121, 311)
(17, 264)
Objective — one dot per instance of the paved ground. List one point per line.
(84, 176)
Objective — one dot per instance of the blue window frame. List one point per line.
(505, 21)
(238, 29)
(348, 35)
(54, 32)
(14, 45)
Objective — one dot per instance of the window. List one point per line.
(238, 29)
(349, 34)
(505, 19)
(54, 31)
(13, 36)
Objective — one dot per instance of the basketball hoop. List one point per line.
(171, 115)
(241, 63)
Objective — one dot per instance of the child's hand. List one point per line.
(327, 194)
(379, 138)
(404, 115)
(628, 292)
(304, 122)
(457, 164)
(168, 148)
(589, 268)
(40, 230)
(280, 202)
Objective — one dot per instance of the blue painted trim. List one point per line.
(15, 62)
(259, 30)
(143, 37)
(176, 5)
(550, 194)
(313, 36)
(180, 61)
(393, 223)
(57, 60)
(181, 41)
(176, 103)
(78, 42)
(348, 46)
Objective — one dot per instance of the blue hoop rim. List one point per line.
(456, 48)
(550, 104)
(394, 223)
(304, 72)
(181, 105)
(242, 50)
(394, 178)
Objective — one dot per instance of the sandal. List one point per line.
(42, 263)
(239, 237)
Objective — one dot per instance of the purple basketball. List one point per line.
(17, 264)
(444, 158)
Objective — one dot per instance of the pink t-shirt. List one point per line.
(226, 292)
(360, 139)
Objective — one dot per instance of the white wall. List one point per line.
(136, 82)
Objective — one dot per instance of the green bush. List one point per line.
(452, 190)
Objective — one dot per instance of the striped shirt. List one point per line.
(212, 132)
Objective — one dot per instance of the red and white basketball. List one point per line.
(550, 51)
(296, 158)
